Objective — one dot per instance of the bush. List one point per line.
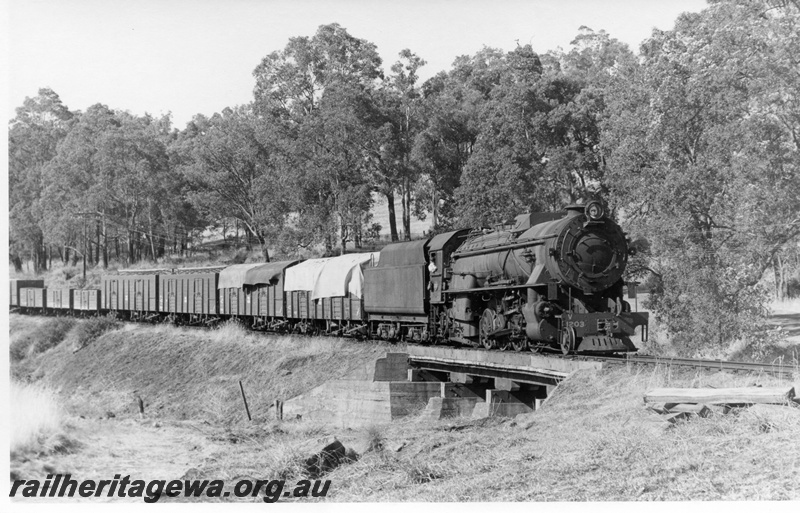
(90, 330)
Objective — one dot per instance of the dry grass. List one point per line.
(42, 334)
(88, 330)
(187, 373)
(36, 416)
(593, 441)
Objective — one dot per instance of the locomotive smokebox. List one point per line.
(585, 253)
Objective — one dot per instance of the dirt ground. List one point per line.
(142, 449)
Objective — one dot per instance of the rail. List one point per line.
(720, 365)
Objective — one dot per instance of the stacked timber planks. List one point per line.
(684, 403)
(745, 395)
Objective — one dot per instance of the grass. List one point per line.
(89, 330)
(36, 416)
(188, 373)
(45, 334)
(593, 441)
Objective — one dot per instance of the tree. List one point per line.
(111, 172)
(451, 109)
(231, 166)
(394, 123)
(703, 157)
(33, 136)
(315, 95)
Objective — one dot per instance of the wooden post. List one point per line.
(278, 409)
(246, 408)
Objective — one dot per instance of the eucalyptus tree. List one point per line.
(703, 155)
(312, 95)
(111, 172)
(231, 166)
(40, 124)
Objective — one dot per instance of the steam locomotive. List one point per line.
(544, 282)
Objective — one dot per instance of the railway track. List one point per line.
(780, 370)
(774, 369)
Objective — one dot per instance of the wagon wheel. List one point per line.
(487, 325)
(567, 340)
(519, 343)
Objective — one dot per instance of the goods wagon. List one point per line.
(86, 300)
(32, 297)
(265, 285)
(327, 293)
(135, 292)
(299, 285)
(234, 300)
(189, 294)
(16, 285)
(59, 299)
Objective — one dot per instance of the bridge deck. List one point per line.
(523, 367)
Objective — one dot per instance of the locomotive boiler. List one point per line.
(549, 280)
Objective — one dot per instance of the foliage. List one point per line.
(230, 166)
(318, 95)
(703, 158)
(33, 136)
(538, 147)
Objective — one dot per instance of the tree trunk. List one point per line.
(392, 216)
(131, 248)
(344, 236)
(17, 261)
(97, 240)
(42, 256)
(264, 249)
(105, 244)
(435, 212)
(781, 287)
(407, 210)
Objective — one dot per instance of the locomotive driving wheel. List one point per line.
(567, 340)
(487, 324)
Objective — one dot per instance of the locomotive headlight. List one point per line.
(594, 211)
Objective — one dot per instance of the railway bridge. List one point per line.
(440, 381)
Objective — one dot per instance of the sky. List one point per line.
(186, 57)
